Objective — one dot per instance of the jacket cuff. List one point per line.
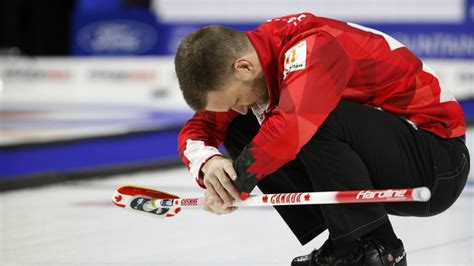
(197, 153)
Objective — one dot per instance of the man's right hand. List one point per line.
(221, 192)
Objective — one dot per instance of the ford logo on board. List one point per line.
(117, 37)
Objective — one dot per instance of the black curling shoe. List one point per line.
(370, 252)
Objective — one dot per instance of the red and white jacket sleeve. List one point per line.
(200, 138)
(316, 72)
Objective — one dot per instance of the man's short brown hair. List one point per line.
(204, 61)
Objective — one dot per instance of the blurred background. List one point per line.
(88, 92)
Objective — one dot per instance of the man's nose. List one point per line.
(241, 109)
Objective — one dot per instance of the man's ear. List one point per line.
(242, 63)
(244, 68)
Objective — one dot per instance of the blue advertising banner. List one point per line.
(122, 33)
(140, 33)
(434, 41)
(437, 40)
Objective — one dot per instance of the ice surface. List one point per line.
(75, 223)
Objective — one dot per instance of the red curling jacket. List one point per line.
(311, 63)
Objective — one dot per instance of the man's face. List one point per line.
(244, 90)
(238, 95)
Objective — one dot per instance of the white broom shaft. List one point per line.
(305, 198)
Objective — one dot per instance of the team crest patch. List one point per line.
(295, 58)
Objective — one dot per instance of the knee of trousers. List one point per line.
(333, 137)
(333, 125)
(240, 133)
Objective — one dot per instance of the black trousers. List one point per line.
(360, 148)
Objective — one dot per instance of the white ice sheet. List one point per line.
(76, 224)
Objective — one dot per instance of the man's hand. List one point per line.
(215, 206)
(219, 175)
